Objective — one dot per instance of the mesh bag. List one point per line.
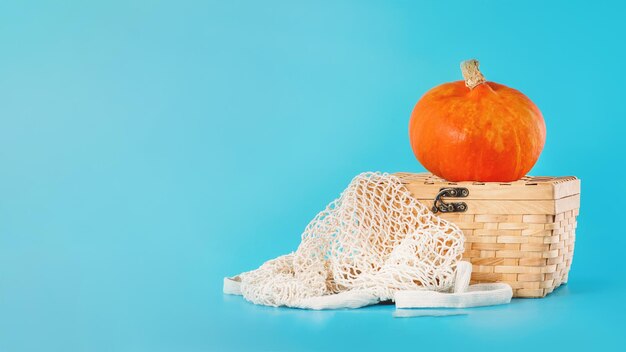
(374, 238)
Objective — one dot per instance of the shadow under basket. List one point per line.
(521, 232)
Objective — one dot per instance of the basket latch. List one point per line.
(453, 192)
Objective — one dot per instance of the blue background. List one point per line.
(149, 148)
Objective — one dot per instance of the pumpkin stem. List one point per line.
(471, 73)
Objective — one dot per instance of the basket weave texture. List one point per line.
(521, 233)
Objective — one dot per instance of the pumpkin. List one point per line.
(476, 130)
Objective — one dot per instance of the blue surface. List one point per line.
(150, 148)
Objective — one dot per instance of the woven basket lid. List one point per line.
(427, 185)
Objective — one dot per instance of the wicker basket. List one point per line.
(521, 233)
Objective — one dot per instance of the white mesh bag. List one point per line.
(374, 243)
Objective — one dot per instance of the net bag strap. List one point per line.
(464, 295)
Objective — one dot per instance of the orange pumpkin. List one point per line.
(475, 130)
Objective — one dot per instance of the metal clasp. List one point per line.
(454, 192)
